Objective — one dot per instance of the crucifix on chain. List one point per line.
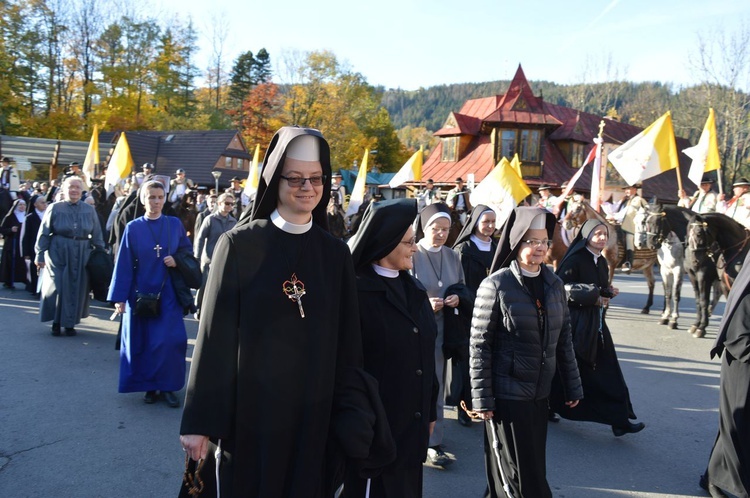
(294, 290)
(158, 249)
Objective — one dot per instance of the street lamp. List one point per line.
(216, 175)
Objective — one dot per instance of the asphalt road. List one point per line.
(65, 431)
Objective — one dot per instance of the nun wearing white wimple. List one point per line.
(437, 267)
(520, 336)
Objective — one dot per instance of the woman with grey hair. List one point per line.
(69, 230)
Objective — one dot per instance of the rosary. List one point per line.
(294, 290)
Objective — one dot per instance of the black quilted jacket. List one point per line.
(510, 358)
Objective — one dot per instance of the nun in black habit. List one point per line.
(278, 334)
(729, 464)
(12, 266)
(586, 276)
(520, 335)
(476, 247)
(398, 342)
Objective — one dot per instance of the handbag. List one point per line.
(147, 305)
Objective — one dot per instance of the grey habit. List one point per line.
(64, 242)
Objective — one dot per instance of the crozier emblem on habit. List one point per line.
(294, 290)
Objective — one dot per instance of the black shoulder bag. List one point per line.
(148, 304)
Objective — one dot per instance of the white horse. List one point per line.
(653, 231)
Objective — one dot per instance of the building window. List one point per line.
(228, 162)
(525, 143)
(240, 164)
(507, 143)
(450, 149)
(576, 154)
(530, 140)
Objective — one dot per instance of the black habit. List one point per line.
(398, 342)
(606, 396)
(12, 266)
(264, 379)
(729, 463)
(33, 221)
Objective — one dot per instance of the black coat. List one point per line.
(398, 342)
(12, 266)
(510, 358)
(476, 263)
(100, 267)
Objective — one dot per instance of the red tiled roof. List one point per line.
(573, 125)
(465, 125)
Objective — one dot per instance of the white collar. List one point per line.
(482, 245)
(428, 247)
(39, 213)
(527, 273)
(385, 272)
(288, 227)
(596, 256)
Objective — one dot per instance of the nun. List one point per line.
(12, 266)
(729, 464)
(585, 273)
(438, 268)
(279, 332)
(520, 335)
(398, 343)
(476, 248)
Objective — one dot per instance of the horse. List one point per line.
(614, 253)
(565, 231)
(732, 238)
(664, 230)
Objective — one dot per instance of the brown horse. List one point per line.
(186, 211)
(614, 253)
(565, 231)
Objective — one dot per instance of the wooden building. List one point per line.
(550, 140)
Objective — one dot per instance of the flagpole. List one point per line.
(718, 178)
(679, 181)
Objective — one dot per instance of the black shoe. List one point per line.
(436, 456)
(631, 428)
(150, 397)
(171, 399)
(553, 417)
(56, 329)
(70, 331)
(463, 417)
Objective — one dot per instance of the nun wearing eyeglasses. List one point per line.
(585, 273)
(520, 335)
(398, 343)
(438, 268)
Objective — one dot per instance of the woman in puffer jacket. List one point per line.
(520, 335)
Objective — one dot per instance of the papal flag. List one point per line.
(516, 163)
(651, 152)
(120, 164)
(502, 188)
(411, 171)
(92, 157)
(251, 185)
(705, 154)
(358, 192)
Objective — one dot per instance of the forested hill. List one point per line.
(638, 103)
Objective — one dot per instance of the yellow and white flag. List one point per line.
(120, 164)
(705, 154)
(411, 171)
(651, 152)
(516, 163)
(502, 188)
(92, 157)
(358, 192)
(251, 185)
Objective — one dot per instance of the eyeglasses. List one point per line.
(298, 181)
(439, 230)
(229, 203)
(411, 242)
(536, 242)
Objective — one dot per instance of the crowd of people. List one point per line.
(322, 366)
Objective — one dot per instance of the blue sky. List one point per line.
(413, 43)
